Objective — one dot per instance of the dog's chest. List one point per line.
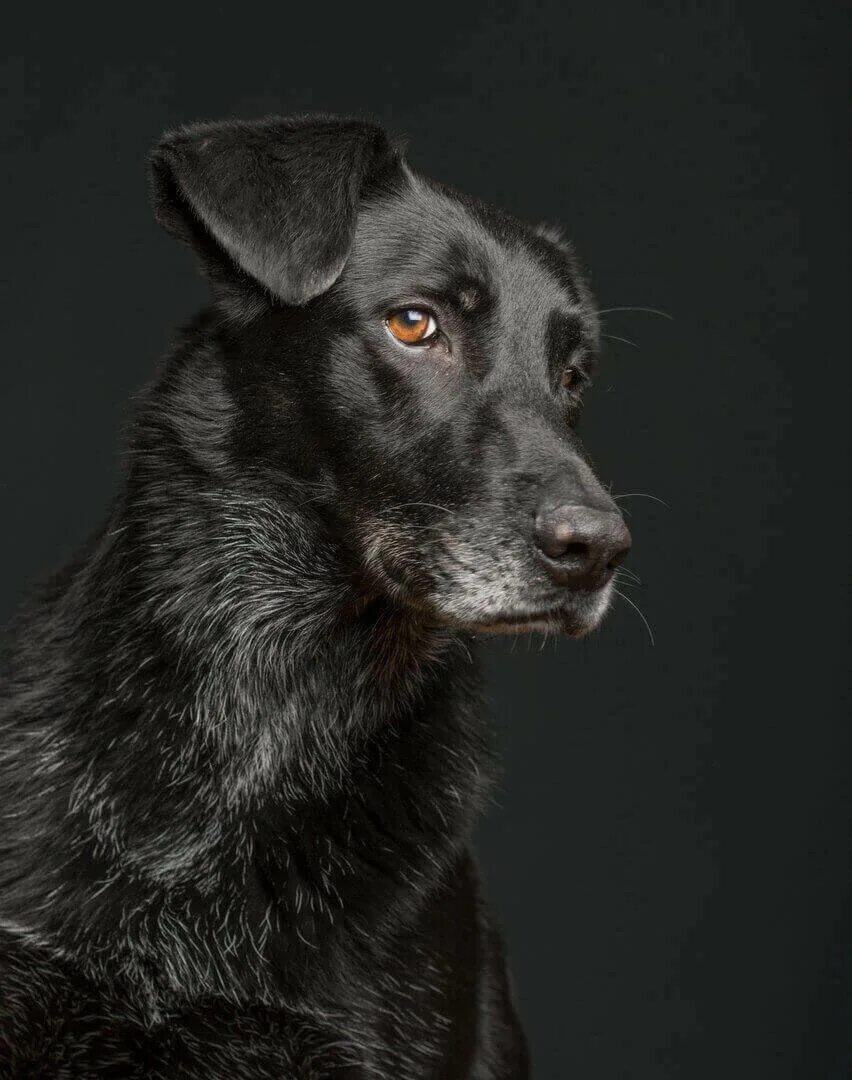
(409, 1014)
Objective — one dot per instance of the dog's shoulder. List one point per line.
(55, 1022)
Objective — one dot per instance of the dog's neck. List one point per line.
(230, 778)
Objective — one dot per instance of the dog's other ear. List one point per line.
(277, 197)
(554, 235)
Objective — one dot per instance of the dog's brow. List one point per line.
(469, 297)
(566, 331)
(567, 326)
(465, 293)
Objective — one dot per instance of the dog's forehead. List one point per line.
(425, 237)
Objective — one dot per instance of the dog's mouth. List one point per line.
(554, 622)
(576, 619)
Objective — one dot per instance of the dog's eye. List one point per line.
(569, 378)
(412, 326)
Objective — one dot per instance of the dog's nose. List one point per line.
(583, 544)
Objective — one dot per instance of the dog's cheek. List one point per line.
(394, 562)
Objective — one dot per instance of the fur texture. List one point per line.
(242, 736)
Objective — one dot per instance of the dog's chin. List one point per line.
(560, 622)
(550, 624)
(578, 616)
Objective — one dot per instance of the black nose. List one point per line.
(583, 544)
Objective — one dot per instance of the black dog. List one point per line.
(242, 741)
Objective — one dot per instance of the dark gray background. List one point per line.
(670, 848)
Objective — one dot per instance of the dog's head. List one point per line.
(415, 358)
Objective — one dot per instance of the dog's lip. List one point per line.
(511, 619)
(560, 617)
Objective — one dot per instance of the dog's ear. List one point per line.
(276, 197)
(554, 235)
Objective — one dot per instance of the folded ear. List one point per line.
(277, 197)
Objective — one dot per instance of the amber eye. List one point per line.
(569, 378)
(412, 326)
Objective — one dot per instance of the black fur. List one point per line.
(242, 736)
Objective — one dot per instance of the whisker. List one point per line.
(629, 572)
(631, 579)
(629, 584)
(642, 495)
(403, 506)
(407, 526)
(649, 310)
(615, 337)
(638, 611)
